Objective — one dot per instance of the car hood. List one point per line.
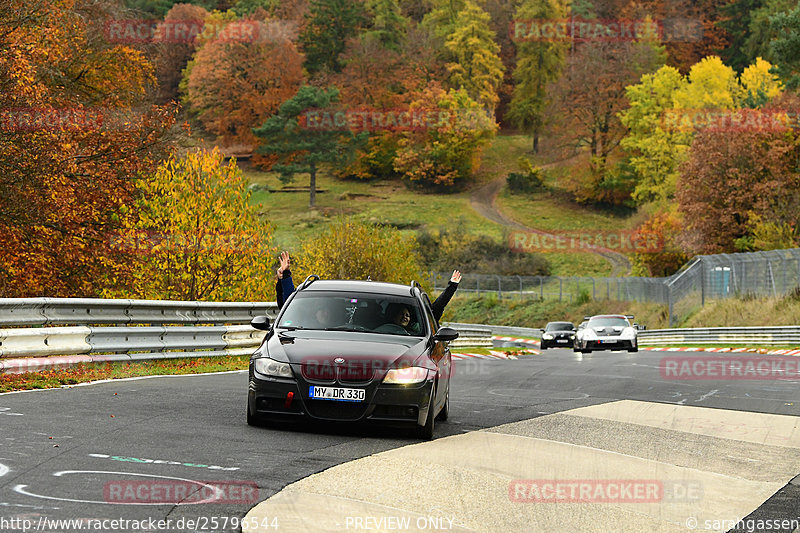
(363, 349)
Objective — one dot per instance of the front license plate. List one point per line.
(337, 393)
(561, 340)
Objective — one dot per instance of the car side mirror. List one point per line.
(445, 334)
(260, 322)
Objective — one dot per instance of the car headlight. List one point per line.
(589, 334)
(405, 376)
(270, 367)
(547, 336)
(628, 333)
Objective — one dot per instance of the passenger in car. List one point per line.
(399, 314)
(329, 314)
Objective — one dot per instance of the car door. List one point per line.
(440, 354)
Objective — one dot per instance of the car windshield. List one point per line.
(559, 326)
(339, 311)
(603, 322)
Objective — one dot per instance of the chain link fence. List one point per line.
(755, 274)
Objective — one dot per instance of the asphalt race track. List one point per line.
(645, 451)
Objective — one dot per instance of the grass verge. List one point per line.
(84, 373)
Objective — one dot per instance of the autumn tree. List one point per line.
(75, 127)
(328, 26)
(303, 136)
(234, 85)
(444, 152)
(476, 67)
(539, 64)
(656, 147)
(171, 57)
(590, 96)
(196, 236)
(732, 181)
(441, 19)
(351, 249)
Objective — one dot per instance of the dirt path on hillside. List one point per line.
(484, 200)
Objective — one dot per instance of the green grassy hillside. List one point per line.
(392, 203)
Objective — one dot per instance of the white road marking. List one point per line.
(21, 488)
(708, 394)
(3, 470)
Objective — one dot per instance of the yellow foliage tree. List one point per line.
(352, 249)
(196, 236)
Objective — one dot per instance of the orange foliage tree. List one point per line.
(75, 127)
(171, 56)
(234, 85)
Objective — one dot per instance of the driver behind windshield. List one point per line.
(328, 314)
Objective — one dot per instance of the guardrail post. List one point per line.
(541, 283)
(499, 288)
(594, 288)
(560, 288)
(671, 309)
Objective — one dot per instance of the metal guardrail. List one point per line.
(471, 335)
(498, 330)
(138, 329)
(84, 311)
(774, 335)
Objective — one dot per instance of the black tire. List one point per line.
(426, 432)
(542, 346)
(634, 349)
(586, 351)
(445, 412)
(253, 420)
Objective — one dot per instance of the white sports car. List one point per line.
(607, 332)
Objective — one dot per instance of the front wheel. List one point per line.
(445, 412)
(634, 349)
(252, 420)
(426, 432)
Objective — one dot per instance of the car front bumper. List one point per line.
(400, 405)
(611, 343)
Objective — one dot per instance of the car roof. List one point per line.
(559, 322)
(375, 287)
